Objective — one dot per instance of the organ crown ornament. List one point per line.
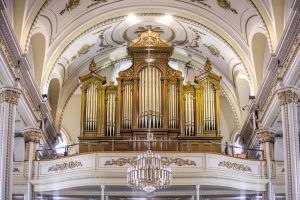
(149, 38)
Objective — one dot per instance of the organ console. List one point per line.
(150, 96)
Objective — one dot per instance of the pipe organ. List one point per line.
(150, 96)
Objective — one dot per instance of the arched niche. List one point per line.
(228, 123)
(260, 52)
(278, 12)
(36, 52)
(243, 91)
(53, 96)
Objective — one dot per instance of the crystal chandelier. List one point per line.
(148, 173)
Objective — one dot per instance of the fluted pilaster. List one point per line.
(289, 98)
(9, 97)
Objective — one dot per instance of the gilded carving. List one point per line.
(149, 38)
(225, 4)
(195, 43)
(9, 96)
(288, 96)
(82, 51)
(102, 42)
(165, 161)
(120, 161)
(235, 166)
(72, 4)
(177, 161)
(214, 50)
(65, 166)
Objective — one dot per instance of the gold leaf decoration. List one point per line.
(65, 166)
(72, 4)
(214, 50)
(165, 161)
(84, 49)
(235, 166)
(195, 43)
(225, 4)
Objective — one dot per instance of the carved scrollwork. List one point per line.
(120, 161)
(72, 4)
(65, 166)
(235, 166)
(165, 161)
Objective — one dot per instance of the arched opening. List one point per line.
(259, 51)
(37, 50)
(243, 90)
(18, 15)
(53, 96)
(278, 11)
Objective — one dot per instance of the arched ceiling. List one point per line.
(76, 31)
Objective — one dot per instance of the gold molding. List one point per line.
(65, 166)
(235, 166)
(165, 161)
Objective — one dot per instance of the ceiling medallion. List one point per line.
(225, 4)
(70, 6)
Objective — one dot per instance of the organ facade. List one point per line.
(150, 96)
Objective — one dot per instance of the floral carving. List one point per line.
(65, 166)
(165, 161)
(235, 166)
(214, 50)
(70, 6)
(225, 4)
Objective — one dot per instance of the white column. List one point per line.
(266, 141)
(32, 140)
(288, 102)
(9, 97)
(197, 192)
(102, 192)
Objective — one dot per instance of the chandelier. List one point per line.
(148, 173)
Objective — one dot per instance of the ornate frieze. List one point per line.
(235, 166)
(32, 135)
(9, 95)
(287, 96)
(65, 166)
(165, 161)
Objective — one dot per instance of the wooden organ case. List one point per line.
(150, 96)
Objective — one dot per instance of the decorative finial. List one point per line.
(93, 66)
(207, 65)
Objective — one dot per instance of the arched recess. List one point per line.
(243, 91)
(18, 16)
(53, 96)
(37, 50)
(278, 12)
(260, 50)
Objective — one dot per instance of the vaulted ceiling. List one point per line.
(61, 37)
